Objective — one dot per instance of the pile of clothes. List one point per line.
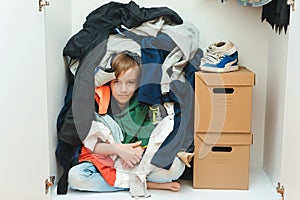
(169, 52)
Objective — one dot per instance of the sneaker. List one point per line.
(219, 62)
(156, 113)
(221, 47)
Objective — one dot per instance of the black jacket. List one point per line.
(101, 22)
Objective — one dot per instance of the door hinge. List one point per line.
(43, 3)
(280, 190)
(292, 4)
(49, 183)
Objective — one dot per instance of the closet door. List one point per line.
(291, 135)
(24, 144)
(32, 88)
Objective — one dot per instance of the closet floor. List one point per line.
(260, 187)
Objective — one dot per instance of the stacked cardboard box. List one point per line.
(223, 111)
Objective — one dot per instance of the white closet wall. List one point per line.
(276, 87)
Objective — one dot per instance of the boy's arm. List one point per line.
(131, 153)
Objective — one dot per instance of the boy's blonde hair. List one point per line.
(122, 62)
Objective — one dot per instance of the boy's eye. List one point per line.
(115, 82)
(131, 82)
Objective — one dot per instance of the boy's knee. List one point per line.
(177, 168)
(73, 177)
(77, 175)
(162, 175)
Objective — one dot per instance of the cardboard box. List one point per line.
(223, 101)
(221, 160)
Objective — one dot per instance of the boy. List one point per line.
(85, 176)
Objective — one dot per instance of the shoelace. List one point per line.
(210, 47)
(220, 46)
(212, 58)
(215, 45)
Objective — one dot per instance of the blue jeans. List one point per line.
(85, 177)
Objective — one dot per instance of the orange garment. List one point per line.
(103, 163)
(102, 97)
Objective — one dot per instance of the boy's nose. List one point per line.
(123, 87)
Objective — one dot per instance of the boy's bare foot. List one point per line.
(173, 186)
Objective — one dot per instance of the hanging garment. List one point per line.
(254, 3)
(277, 14)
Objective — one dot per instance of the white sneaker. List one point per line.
(225, 47)
(220, 63)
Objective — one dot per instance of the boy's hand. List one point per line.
(131, 154)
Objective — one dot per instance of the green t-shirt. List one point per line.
(135, 122)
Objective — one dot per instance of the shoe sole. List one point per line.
(228, 68)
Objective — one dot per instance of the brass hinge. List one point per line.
(291, 3)
(280, 190)
(48, 183)
(43, 3)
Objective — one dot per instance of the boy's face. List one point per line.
(124, 86)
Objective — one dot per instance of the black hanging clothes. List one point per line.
(277, 14)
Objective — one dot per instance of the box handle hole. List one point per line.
(221, 149)
(223, 90)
